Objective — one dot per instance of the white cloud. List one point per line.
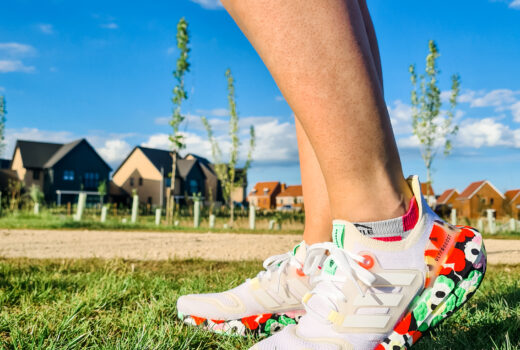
(487, 132)
(216, 112)
(495, 98)
(160, 141)
(9, 66)
(2, 89)
(46, 28)
(110, 25)
(401, 117)
(515, 110)
(16, 49)
(114, 150)
(515, 4)
(170, 50)
(279, 98)
(275, 140)
(209, 4)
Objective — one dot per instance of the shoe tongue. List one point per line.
(338, 233)
(300, 252)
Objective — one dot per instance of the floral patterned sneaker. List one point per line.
(379, 295)
(259, 306)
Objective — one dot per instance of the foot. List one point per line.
(385, 294)
(260, 306)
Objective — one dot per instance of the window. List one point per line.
(140, 181)
(91, 180)
(36, 174)
(491, 201)
(194, 186)
(68, 175)
(132, 181)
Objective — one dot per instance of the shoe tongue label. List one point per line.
(365, 230)
(338, 234)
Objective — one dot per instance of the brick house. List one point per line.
(477, 197)
(448, 197)
(263, 195)
(513, 201)
(290, 198)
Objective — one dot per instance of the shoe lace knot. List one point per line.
(329, 285)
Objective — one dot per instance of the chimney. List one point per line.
(283, 187)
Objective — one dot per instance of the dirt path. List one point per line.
(160, 246)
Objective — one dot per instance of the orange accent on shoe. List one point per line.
(198, 320)
(367, 263)
(300, 272)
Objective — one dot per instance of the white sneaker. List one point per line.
(261, 306)
(384, 295)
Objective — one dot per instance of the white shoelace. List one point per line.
(330, 286)
(278, 263)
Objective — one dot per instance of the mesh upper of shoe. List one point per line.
(240, 302)
(404, 255)
(210, 305)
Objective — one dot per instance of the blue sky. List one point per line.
(102, 70)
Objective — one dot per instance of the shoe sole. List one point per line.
(450, 290)
(257, 325)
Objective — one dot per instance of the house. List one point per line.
(477, 197)
(263, 195)
(238, 194)
(428, 193)
(513, 203)
(290, 198)
(61, 171)
(148, 172)
(448, 197)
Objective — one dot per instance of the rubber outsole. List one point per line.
(258, 325)
(457, 282)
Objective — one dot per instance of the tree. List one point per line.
(179, 95)
(433, 127)
(226, 173)
(102, 190)
(3, 112)
(36, 194)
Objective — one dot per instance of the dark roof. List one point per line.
(36, 154)
(163, 159)
(5, 163)
(46, 155)
(159, 158)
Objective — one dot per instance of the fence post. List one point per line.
(252, 216)
(157, 216)
(36, 208)
(211, 220)
(135, 208)
(104, 210)
(491, 220)
(271, 224)
(196, 211)
(480, 225)
(82, 200)
(453, 217)
(512, 224)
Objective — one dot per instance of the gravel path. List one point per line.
(161, 246)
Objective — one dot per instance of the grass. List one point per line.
(116, 304)
(48, 221)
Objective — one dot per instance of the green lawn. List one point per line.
(72, 304)
(47, 221)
